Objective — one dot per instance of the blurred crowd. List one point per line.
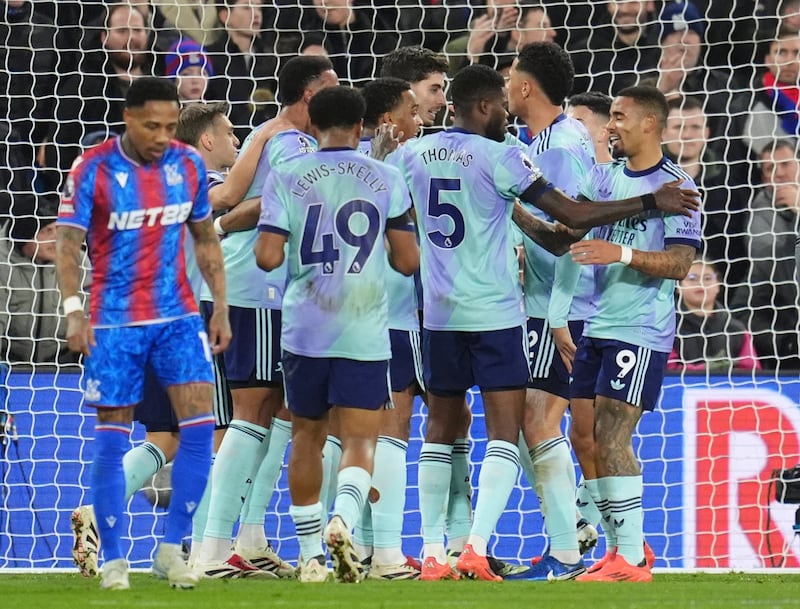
(729, 69)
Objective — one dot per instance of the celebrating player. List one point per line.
(334, 208)
(130, 198)
(622, 357)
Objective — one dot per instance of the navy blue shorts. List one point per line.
(314, 384)
(455, 361)
(618, 370)
(253, 358)
(405, 367)
(155, 410)
(176, 351)
(223, 402)
(548, 372)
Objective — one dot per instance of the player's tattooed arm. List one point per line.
(69, 244)
(671, 263)
(212, 267)
(554, 237)
(670, 198)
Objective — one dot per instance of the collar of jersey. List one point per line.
(638, 174)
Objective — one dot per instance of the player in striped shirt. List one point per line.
(129, 199)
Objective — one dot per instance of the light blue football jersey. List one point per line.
(628, 305)
(247, 285)
(463, 186)
(333, 205)
(400, 290)
(564, 152)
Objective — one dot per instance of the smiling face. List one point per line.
(430, 96)
(406, 115)
(149, 128)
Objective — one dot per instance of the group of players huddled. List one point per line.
(302, 253)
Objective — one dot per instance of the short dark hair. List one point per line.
(649, 98)
(297, 74)
(150, 88)
(777, 144)
(413, 64)
(113, 7)
(336, 107)
(551, 66)
(598, 102)
(196, 119)
(382, 95)
(474, 83)
(688, 102)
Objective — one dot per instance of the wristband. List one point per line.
(626, 254)
(649, 201)
(72, 304)
(218, 226)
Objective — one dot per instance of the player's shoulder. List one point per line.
(94, 156)
(673, 172)
(295, 139)
(180, 149)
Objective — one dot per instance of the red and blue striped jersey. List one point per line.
(134, 218)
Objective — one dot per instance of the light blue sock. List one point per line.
(189, 474)
(605, 511)
(363, 536)
(201, 513)
(234, 465)
(526, 463)
(259, 490)
(111, 441)
(459, 505)
(351, 494)
(586, 502)
(624, 495)
(435, 472)
(309, 532)
(331, 458)
(498, 476)
(140, 463)
(555, 485)
(389, 478)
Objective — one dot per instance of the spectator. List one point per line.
(495, 37)
(724, 186)
(188, 64)
(15, 175)
(431, 23)
(92, 98)
(195, 19)
(245, 65)
(681, 71)
(32, 328)
(767, 303)
(614, 54)
(29, 59)
(708, 337)
(776, 95)
(355, 36)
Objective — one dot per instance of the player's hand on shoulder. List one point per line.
(80, 335)
(672, 199)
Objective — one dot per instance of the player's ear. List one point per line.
(206, 141)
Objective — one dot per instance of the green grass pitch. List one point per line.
(668, 591)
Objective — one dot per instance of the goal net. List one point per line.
(728, 422)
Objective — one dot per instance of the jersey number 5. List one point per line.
(437, 209)
(357, 223)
